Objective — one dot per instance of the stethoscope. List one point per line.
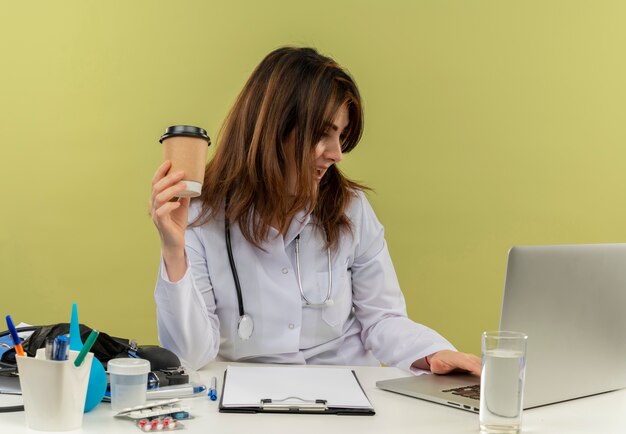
(245, 326)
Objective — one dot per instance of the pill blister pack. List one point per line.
(168, 407)
(167, 423)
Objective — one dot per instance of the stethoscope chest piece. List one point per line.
(245, 327)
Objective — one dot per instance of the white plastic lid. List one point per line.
(128, 366)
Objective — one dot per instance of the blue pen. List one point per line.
(213, 389)
(16, 339)
(61, 344)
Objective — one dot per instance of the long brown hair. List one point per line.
(295, 93)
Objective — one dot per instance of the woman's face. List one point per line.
(328, 150)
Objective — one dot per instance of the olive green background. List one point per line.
(488, 124)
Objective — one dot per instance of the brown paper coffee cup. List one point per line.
(186, 147)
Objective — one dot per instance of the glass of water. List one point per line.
(502, 381)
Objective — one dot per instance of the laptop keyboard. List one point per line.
(472, 392)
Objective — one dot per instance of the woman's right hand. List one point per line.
(170, 218)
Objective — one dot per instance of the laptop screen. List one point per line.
(569, 300)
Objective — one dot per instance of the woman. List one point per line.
(308, 277)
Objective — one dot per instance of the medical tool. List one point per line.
(245, 326)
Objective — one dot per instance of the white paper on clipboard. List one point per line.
(248, 386)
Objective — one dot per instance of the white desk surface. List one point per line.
(397, 414)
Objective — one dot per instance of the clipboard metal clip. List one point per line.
(294, 404)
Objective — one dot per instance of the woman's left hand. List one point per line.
(446, 361)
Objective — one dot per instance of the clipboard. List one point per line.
(288, 389)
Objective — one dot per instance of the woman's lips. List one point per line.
(319, 172)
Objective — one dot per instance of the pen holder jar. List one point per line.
(54, 391)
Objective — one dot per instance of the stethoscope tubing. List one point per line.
(245, 325)
(233, 269)
(327, 300)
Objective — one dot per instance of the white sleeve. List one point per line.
(379, 304)
(186, 320)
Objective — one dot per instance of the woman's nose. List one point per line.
(333, 151)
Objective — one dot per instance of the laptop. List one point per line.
(570, 301)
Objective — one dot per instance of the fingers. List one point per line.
(166, 181)
(169, 212)
(471, 363)
(162, 179)
(161, 171)
(165, 187)
(164, 211)
(439, 365)
(184, 201)
(167, 195)
(447, 361)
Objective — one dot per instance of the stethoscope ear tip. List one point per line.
(329, 302)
